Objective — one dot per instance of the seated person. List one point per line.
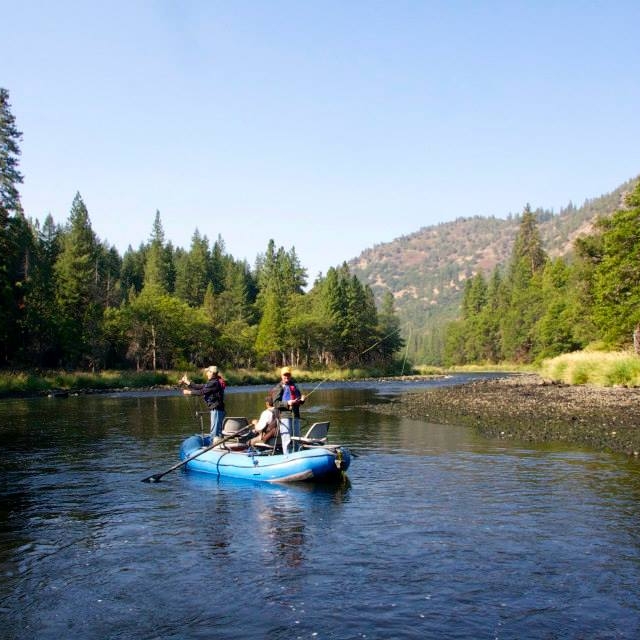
(265, 427)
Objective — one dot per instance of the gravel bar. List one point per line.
(529, 408)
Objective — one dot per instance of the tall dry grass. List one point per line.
(602, 368)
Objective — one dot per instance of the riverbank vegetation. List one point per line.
(70, 301)
(606, 369)
(34, 383)
(540, 307)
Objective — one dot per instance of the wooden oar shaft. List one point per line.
(155, 477)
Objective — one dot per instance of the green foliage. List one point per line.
(624, 373)
(193, 272)
(12, 265)
(77, 290)
(68, 299)
(159, 269)
(427, 270)
(580, 374)
(617, 276)
(10, 176)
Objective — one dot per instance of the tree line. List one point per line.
(540, 307)
(69, 300)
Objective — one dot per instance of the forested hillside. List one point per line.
(426, 271)
(526, 287)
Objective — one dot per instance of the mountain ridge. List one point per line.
(426, 270)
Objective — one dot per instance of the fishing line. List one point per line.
(375, 344)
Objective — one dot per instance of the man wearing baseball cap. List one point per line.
(288, 398)
(213, 394)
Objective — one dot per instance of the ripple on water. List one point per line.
(438, 534)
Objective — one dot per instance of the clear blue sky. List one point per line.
(330, 126)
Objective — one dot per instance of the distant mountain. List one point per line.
(426, 270)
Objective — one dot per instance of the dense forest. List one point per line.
(428, 270)
(70, 301)
(539, 307)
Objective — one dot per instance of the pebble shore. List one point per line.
(529, 408)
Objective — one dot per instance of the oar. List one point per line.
(156, 476)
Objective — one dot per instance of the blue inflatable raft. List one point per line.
(310, 463)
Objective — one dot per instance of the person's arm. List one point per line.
(192, 392)
(194, 389)
(299, 399)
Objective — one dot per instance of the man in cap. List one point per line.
(213, 393)
(288, 398)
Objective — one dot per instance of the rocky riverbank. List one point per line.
(527, 407)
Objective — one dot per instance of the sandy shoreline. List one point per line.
(526, 407)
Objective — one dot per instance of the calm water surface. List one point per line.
(438, 533)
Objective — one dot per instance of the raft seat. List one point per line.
(231, 426)
(315, 436)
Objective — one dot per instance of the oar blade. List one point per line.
(154, 478)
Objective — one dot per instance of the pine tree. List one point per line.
(158, 268)
(77, 293)
(556, 330)
(10, 250)
(280, 280)
(388, 331)
(132, 270)
(193, 273)
(524, 291)
(617, 276)
(43, 321)
(10, 177)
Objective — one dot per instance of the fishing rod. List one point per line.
(359, 355)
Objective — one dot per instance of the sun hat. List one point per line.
(285, 370)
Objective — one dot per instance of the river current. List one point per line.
(437, 533)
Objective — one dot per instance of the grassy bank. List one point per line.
(604, 369)
(34, 383)
(600, 368)
(43, 382)
(593, 367)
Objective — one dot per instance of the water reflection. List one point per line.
(525, 541)
(269, 520)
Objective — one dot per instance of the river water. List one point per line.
(438, 533)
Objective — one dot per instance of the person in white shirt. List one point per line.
(266, 426)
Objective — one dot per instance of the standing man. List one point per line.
(287, 397)
(213, 392)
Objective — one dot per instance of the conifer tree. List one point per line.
(43, 321)
(617, 275)
(10, 177)
(158, 266)
(388, 330)
(132, 270)
(10, 205)
(524, 292)
(77, 294)
(193, 273)
(555, 333)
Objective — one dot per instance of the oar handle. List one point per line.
(155, 477)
